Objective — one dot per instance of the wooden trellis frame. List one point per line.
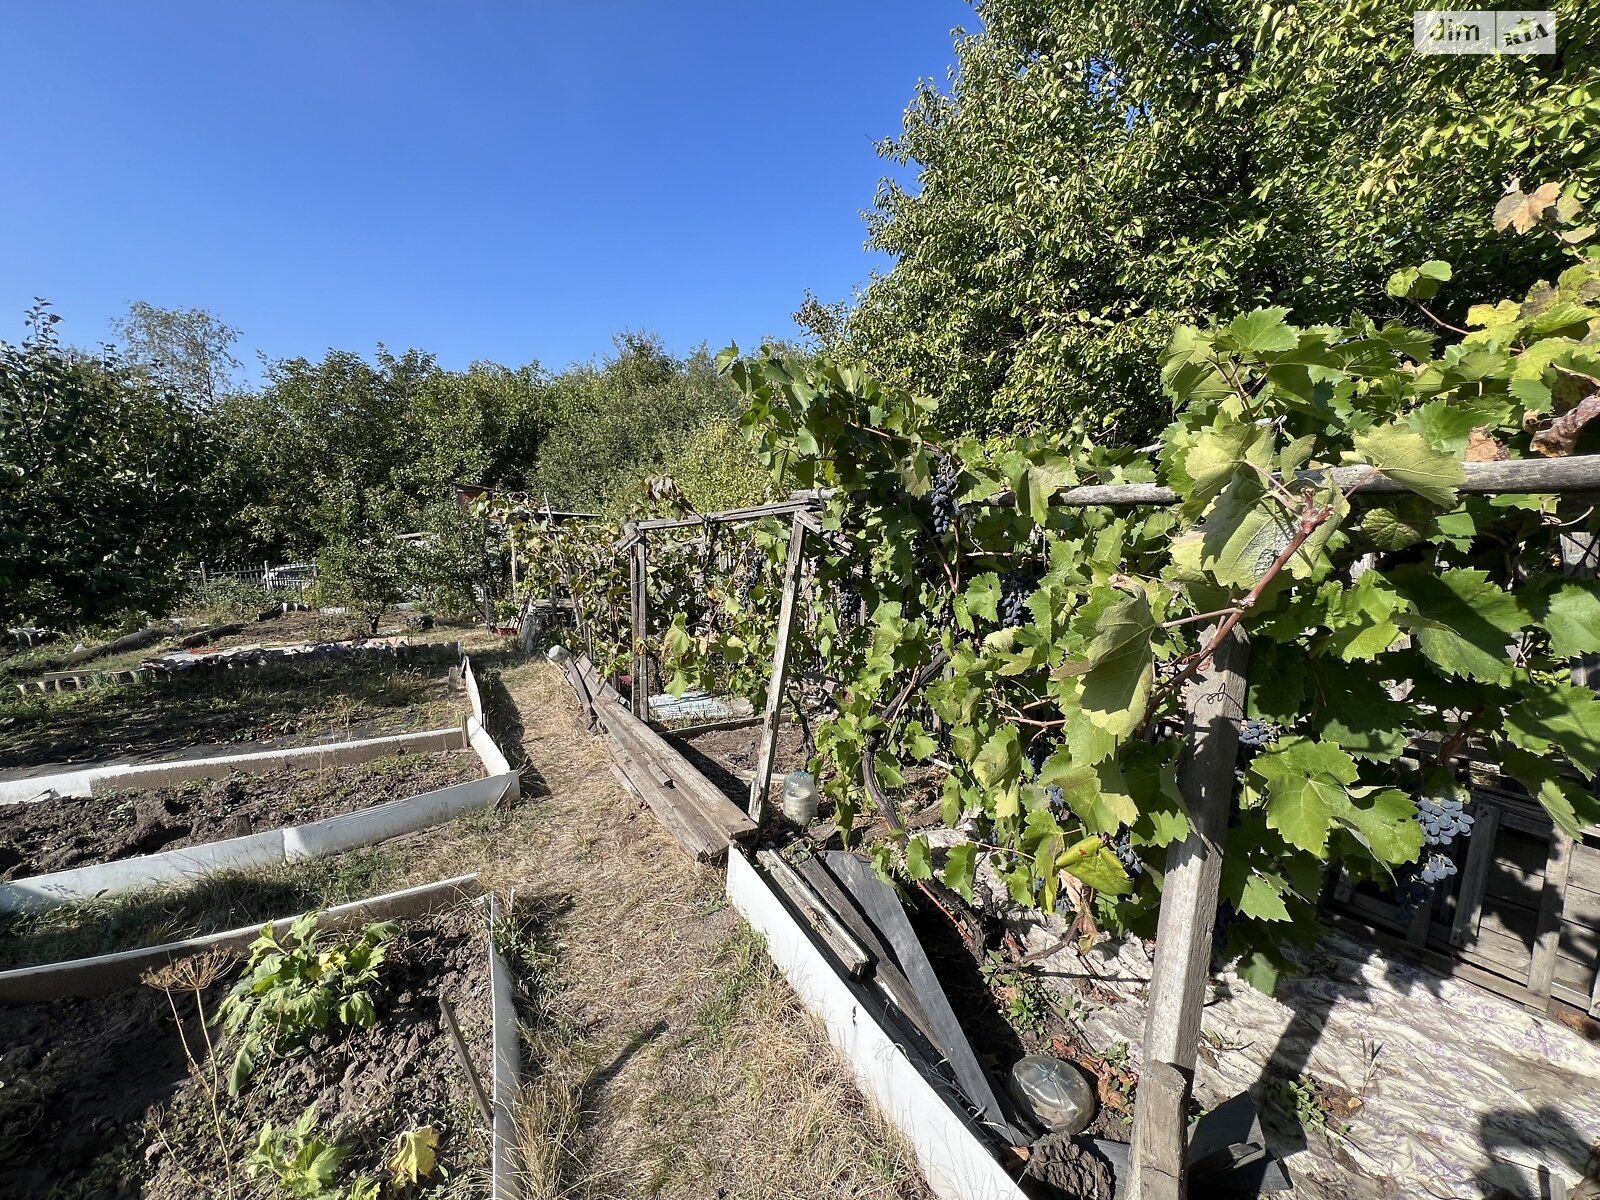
(1214, 708)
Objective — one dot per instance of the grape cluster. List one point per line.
(1056, 797)
(1015, 588)
(1410, 896)
(1438, 868)
(1256, 735)
(1443, 819)
(1122, 847)
(942, 500)
(1039, 749)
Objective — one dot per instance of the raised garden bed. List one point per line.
(273, 706)
(727, 756)
(106, 1085)
(55, 835)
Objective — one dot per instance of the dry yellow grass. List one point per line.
(670, 1057)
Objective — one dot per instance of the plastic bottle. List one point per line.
(1053, 1093)
(800, 798)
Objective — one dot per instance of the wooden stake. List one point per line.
(1188, 915)
(761, 785)
(641, 660)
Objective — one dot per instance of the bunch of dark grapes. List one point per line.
(1438, 868)
(942, 500)
(1122, 847)
(1056, 797)
(1256, 735)
(1443, 819)
(1039, 749)
(1015, 588)
(1411, 894)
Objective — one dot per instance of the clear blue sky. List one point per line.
(509, 180)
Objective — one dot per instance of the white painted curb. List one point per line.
(95, 781)
(955, 1163)
(111, 972)
(505, 1162)
(331, 835)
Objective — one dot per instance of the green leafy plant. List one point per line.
(304, 1164)
(295, 987)
(1310, 489)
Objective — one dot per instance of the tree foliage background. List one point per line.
(1097, 173)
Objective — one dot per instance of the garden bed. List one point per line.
(55, 835)
(727, 757)
(273, 706)
(105, 1083)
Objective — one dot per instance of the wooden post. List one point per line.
(1215, 699)
(641, 659)
(761, 785)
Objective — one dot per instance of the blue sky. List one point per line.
(512, 181)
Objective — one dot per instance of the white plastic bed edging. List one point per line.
(110, 972)
(331, 835)
(505, 1166)
(95, 781)
(955, 1163)
(494, 762)
(474, 696)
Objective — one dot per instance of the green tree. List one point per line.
(187, 351)
(619, 420)
(96, 465)
(1098, 173)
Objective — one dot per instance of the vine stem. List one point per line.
(1448, 750)
(1312, 518)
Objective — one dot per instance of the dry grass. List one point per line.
(670, 1059)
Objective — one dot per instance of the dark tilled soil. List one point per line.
(727, 757)
(98, 1101)
(264, 706)
(52, 835)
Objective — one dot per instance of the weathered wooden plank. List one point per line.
(1493, 951)
(850, 953)
(639, 590)
(882, 908)
(677, 818)
(1547, 929)
(1585, 871)
(689, 786)
(761, 785)
(1158, 1157)
(1582, 906)
(1188, 916)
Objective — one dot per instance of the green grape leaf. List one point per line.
(1000, 760)
(982, 597)
(1463, 623)
(1121, 673)
(1261, 971)
(1306, 785)
(1570, 806)
(1404, 456)
(1262, 897)
(919, 858)
(1387, 826)
(1356, 711)
(1562, 716)
(1263, 331)
(959, 865)
(1093, 862)
(1572, 618)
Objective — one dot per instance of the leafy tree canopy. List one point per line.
(95, 464)
(1098, 173)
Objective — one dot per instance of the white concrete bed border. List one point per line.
(111, 972)
(505, 1162)
(95, 781)
(317, 839)
(954, 1161)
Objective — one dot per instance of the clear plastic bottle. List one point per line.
(1053, 1093)
(800, 798)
